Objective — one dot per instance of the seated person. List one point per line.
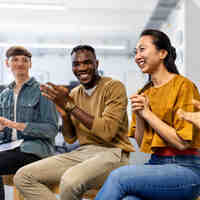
(193, 117)
(95, 113)
(173, 171)
(28, 120)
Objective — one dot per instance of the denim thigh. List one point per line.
(156, 182)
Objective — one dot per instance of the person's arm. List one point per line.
(165, 131)
(138, 123)
(180, 134)
(107, 125)
(141, 106)
(1, 124)
(139, 130)
(68, 129)
(192, 117)
(59, 95)
(115, 112)
(4, 122)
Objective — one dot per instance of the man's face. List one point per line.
(84, 67)
(19, 65)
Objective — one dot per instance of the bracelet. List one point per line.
(69, 106)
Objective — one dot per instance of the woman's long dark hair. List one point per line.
(161, 41)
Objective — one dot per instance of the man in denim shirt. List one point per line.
(27, 118)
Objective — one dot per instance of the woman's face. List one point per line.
(147, 56)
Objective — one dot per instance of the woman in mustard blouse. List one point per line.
(173, 171)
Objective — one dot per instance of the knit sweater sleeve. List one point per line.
(112, 118)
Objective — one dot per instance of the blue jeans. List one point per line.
(163, 177)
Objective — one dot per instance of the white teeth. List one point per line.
(141, 62)
(83, 75)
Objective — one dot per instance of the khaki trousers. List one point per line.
(78, 171)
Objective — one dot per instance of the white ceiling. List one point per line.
(111, 22)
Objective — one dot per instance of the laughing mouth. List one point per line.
(141, 62)
(83, 76)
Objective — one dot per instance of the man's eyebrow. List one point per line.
(23, 56)
(82, 61)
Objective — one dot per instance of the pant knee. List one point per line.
(72, 186)
(19, 178)
(114, 176)
(69, 182)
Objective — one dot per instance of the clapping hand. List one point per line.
(139, 103)
(58, 94)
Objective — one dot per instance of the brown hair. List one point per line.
(18, 51)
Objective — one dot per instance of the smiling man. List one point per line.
(28, 120)
(85, 66)
(95, 114)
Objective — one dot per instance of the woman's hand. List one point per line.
(193, 117)
(139, 104)
(58, 94)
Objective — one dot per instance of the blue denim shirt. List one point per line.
(37, 112)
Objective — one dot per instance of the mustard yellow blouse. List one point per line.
(164, 102)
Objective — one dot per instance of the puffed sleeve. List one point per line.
(187, 92)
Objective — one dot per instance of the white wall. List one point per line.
(174, 27)
(192, 12)
(58, 69)
(183, 29)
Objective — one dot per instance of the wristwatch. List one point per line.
(69, 106)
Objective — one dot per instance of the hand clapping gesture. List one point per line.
(58, 94)
(139, 103)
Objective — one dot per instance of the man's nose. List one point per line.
(82, 66)
(20, 62)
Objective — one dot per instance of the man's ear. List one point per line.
(163, 54)
(6, 63)
(30, 64)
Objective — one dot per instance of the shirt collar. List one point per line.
(29, 83)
